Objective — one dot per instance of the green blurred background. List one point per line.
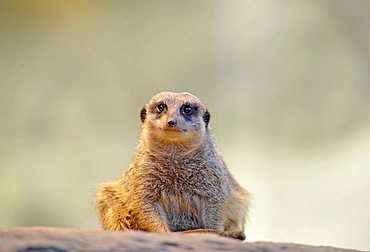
(287, 84)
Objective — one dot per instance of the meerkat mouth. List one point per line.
(174, 130)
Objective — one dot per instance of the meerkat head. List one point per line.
(175, 118)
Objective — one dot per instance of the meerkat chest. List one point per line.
(189, 178)
(183, 211)
(185, 192)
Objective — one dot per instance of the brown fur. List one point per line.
(177, 182)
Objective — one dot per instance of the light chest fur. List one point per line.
(181, 187)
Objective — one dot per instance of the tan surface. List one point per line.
(66, 239)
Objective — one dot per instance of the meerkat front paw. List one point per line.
(234, 234)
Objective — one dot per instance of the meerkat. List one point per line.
(177, 181)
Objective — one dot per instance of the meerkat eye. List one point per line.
(187, 110)
(160, 107)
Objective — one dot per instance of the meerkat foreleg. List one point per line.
(116, 214)
(151, 220)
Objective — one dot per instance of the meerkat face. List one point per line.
(175, 117)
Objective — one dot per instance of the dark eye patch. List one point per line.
(187, 110)
(158, 108)
(161, 107)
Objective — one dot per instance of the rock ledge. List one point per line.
(42, 239)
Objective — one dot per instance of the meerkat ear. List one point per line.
(143, 114)
(206, 117)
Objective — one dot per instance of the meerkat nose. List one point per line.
(172, 123)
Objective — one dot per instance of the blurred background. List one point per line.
(286, 82)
